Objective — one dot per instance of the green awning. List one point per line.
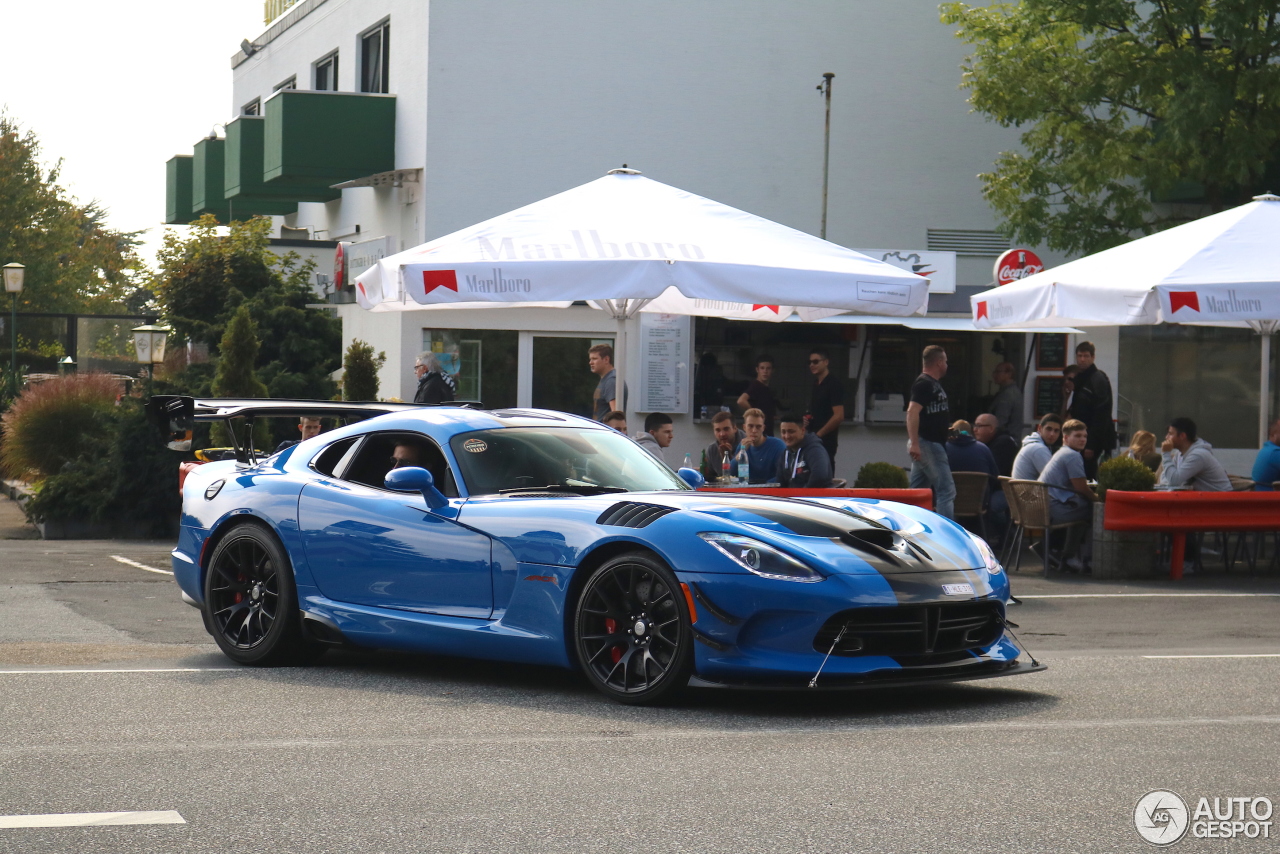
(315, 139)
(245, 191)
(207, 176)
(177, 190)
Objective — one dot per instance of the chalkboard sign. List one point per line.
(1049, 395)
(1051, 352)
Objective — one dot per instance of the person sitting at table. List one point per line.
(805, 462)
(616, 419)
(1189, 461)
(657, 435)
(763, 452)
(1003, 447)
(1266, 468)
(727, 438)
(966, 454)
(1070, 498)
(1143, 449)
(1037, 449)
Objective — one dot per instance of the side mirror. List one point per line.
(414, 479)
(692, 477)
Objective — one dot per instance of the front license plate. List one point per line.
(958, 589)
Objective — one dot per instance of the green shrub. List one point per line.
(49, 423)
(1125, 474)
(360, 372)
(881, 476)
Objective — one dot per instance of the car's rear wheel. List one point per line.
(632, 630)
(251, 603)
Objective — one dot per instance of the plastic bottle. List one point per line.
(744, 465)
(688, 461)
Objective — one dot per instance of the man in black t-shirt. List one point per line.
(826, 402)
(928, 419)
(758, 394)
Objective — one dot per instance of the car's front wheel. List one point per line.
(632, 630)
(251, 603)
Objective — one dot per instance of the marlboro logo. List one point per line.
(1183, 299)
(432, 279)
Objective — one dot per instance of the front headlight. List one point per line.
(993, 563)
(761, 558)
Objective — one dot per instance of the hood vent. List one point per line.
(632, 514)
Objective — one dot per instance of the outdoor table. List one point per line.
(918, 497)
(1180, 512)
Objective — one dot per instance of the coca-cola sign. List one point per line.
(1016, 264)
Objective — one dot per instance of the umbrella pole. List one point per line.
(620, 362)
(1264, 401)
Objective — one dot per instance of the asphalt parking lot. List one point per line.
(115, 700)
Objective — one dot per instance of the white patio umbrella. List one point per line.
(624, 242)
(1222, 270)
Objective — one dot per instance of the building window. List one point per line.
(253, 108)
(482, 362)
(326, 75)
(375, 48)
(291, 83)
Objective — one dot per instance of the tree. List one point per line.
(1123, 102)
(360, 372)
(74, 262)
(207, 276)
(236, 376)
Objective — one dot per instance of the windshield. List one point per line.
(560, 459)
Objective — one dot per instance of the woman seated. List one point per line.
(1143, 449)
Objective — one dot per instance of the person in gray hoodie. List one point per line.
(805, 462)
(657, 434)
(1037, 448)
(1189, 461)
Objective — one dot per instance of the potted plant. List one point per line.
(1123, 554)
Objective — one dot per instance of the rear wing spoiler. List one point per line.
(176, 415)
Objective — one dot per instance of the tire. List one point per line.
(251, 602)
(631, 631)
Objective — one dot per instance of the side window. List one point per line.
(331, 460)
(383, 451)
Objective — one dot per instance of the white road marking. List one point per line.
(1146, 595)
(91, 819)
(135, 670)
(137, 565)
(1223, 655)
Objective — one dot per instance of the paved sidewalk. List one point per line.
(13, 522)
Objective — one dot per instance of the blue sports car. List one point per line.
(534, 536)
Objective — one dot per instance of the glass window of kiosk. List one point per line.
(1207, 374)
(482, 362)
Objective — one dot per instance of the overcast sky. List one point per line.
(116, 89)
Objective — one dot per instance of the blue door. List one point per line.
(372, 547)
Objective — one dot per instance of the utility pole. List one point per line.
(825, 88)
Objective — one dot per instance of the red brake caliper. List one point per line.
(240, 596)
(611, 626)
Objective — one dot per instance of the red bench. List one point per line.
(1179, 513)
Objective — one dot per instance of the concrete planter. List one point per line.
(1123, 554)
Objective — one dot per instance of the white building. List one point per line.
(499, 103)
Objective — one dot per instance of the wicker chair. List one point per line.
(1032, 499)
(971, 496)
(1013, 537)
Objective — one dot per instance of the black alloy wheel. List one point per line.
(251, 602)
(632, 630)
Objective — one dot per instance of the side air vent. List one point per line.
(632, 514)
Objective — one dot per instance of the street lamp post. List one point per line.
(825, 88)
(148, 346)
(13, 277)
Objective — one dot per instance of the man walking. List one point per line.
(826, 402)
(928, 420)
(1006, 406)
(604, 398)
(434, 384)
(1092, 403)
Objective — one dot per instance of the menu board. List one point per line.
(1051, 351)
(1049, 395)
(664, 362)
